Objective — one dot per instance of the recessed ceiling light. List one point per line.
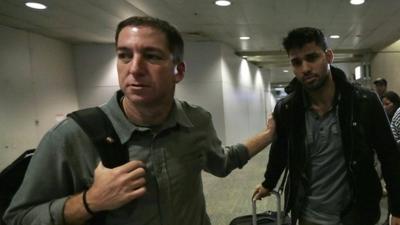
(286, 71)
(35, 5)
(244, 38)
(356, 2)
(334, 36)
(222, 3)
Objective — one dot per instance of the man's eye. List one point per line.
(312, 57)
(125, 57)
(153, 57)
(296, 62)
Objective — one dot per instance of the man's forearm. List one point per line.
(74, 211)
(258, 142)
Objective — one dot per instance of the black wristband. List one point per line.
(85, 204)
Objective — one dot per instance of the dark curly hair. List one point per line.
(299, 37)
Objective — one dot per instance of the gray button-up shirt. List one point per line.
(175, 154)
(327, 188)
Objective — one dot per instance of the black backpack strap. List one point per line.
(100, 130)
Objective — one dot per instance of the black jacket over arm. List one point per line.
(365, 129)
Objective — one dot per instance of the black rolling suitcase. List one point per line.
(265, 218)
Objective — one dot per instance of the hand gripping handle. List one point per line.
(278, 210)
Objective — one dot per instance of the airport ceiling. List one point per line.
(363, 29)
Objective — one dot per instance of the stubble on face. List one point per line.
(319, 82)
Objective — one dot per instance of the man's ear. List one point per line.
(179, 72)
(329, 55)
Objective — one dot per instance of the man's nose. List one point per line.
(305, 66)
(136, 64)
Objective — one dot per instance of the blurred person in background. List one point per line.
(380, 86)
(391, 102)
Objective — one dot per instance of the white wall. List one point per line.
(244, 97)
(386, 64)
(96, 74)
(228, 87)
(37, 88)
(202, 84)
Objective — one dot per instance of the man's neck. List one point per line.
(144, 115)
(322, 99)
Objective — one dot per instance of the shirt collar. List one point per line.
(177, 117)
(124, 128)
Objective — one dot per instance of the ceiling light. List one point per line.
(222, 3)
(35, 5)
(286, 71)
(334, 36)
(244, 38)
(356, 2)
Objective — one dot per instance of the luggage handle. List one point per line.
(278, 211)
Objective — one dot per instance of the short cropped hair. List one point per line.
(174, 38)
(299, 37)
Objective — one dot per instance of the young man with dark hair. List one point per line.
(169, 142)
(327, 132)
